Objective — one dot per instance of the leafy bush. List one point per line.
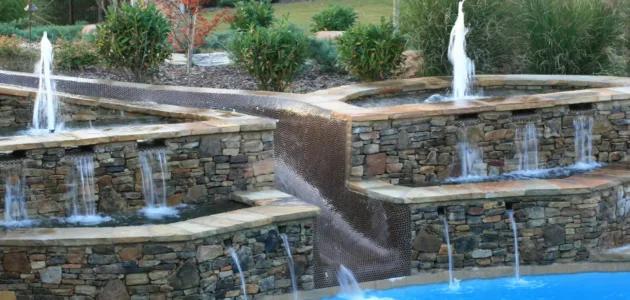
(371, 52)
(66, 32)
(272, 55)
(569, 36)
(227, 3)
(334, 18)
(75, 55)
(14, 57)
(324, 52)
(219, 40)
(491, 40)
(252, 13)
(11, 10)
(134, 38)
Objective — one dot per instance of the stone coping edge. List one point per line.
(198, 228)
(466, 274)
(597, 89)
(603, 178)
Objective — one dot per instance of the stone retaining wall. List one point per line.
(195, 269)
(202, 169)
(423, 150)
(552, 229)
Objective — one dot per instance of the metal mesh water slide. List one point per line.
(370, 237)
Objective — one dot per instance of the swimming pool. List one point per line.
(598, 286)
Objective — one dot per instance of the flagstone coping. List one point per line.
(287, 210)
(606, 177)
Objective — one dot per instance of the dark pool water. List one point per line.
(437, 96)
(184, 212)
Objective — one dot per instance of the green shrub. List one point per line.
(334, 18)
(569, 36)
(218, 40)
(273, 56)
(134, 38)
(75, 55)
(490, 43)
(11, 10)
(371, 52)
(227, 3)
(14, 57)
(324, 52)
(252, 13)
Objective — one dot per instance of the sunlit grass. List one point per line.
(301, 13)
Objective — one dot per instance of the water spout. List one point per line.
(463, 66)
(517, 261)
(154, 188)
(237, 262)
(453, 283)
(527, 138)
(83, 192)
(348, 284)
(291, 263)
(45, 111)
(15, 212)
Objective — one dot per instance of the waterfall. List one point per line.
(15, 211)
(83, 191)
(527, 139)
(154, 168)
(463, 66)
(517, 261)
(45, 111)
(583, 126)
(453, 283)
(237, 262)
(623, 202)
(470, 158)
(291, 263)
(348, 284)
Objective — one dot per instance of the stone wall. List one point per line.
(552, 229)
(422, 151)
(202, 169)
(195, 269)
(15, 111)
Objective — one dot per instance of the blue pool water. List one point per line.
(596, 286)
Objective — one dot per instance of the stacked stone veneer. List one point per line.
(552, 229)
(423, 150)
(195, 269)
(17, 112)
(202, 169)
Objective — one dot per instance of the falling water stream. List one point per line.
(45, 116)
(463, 66)
(291, 263)
(154, 168)
(527, 139)
(83, 192)
(15, 210)
(453, 283)
(237, 262)
(517, 261)
(583, 126)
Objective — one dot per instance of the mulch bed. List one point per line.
(224, 77)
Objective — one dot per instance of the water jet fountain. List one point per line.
(463, 66)
(45, 112)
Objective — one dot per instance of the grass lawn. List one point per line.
(300, 13)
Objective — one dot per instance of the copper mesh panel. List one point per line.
(372, 238)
